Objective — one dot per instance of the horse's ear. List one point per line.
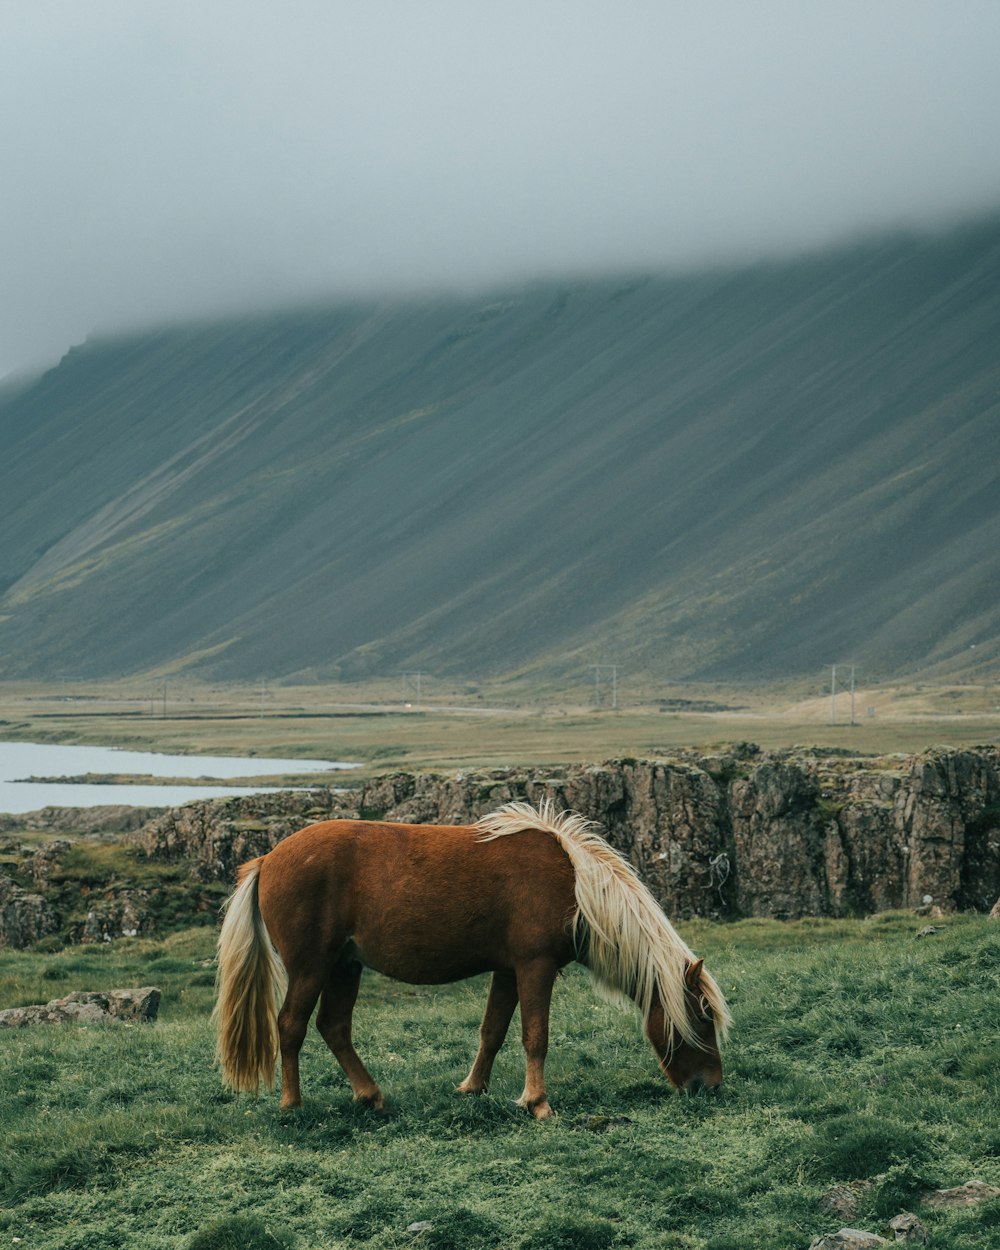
(692, 978)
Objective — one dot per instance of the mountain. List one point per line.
(746, 472)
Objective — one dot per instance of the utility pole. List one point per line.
(613, 669)
(406, 685)
(833, 692)
(164, 700)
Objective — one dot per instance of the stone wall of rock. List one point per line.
(744, 832)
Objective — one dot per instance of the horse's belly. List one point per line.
(424, 963)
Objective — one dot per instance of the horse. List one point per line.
(521, 894)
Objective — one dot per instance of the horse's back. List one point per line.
(422, 903)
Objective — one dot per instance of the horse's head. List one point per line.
(688, 1066)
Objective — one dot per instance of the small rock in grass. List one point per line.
(928, 930)
(906, 1227)
(847, 1239)
(420, 1226)
(963, 1195)
(842, 1200)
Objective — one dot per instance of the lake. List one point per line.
(35, 759)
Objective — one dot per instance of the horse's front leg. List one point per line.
(500, 1006)
(336, 1010)
(534, 988)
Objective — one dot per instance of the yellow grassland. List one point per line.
(384, 725)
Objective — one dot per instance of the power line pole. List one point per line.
(406, 685)
(833, 694)
(613, 669)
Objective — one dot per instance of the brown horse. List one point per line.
(520, 894)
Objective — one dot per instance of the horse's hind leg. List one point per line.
(534, 987)
(499, 1009)
(293, 1022)
(336, 1009)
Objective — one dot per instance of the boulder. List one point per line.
(842, 1201)
(906, 1227)
(84, 1007)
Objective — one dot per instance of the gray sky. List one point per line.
(166, 159)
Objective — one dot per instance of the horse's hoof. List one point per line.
(539, 1107)
(466, 1088)
(373, 1102)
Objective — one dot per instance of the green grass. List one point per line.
(859, 1051)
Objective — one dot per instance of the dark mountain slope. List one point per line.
(744, 473)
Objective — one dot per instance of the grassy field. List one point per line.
(859, 1052)
(382, 726)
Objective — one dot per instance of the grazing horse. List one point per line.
(520, 894)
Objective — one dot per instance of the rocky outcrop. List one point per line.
(218, 835)
(109, 819)
(743, 832)
(87, 1008)
(88, 891)
(122, 913)
(45, 859)
(25, 917)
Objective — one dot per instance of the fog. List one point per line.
(167, 160)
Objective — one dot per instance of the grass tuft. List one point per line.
(240, 1233)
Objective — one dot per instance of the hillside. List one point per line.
(735, 473)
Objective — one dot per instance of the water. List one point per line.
(35, 759)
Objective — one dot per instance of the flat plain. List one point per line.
(387, 725)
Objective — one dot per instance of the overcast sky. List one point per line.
(159, 160)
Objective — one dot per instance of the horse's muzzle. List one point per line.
(698, 1084)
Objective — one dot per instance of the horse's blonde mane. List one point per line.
(619, 930)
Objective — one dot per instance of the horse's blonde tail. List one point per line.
(250, 977)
